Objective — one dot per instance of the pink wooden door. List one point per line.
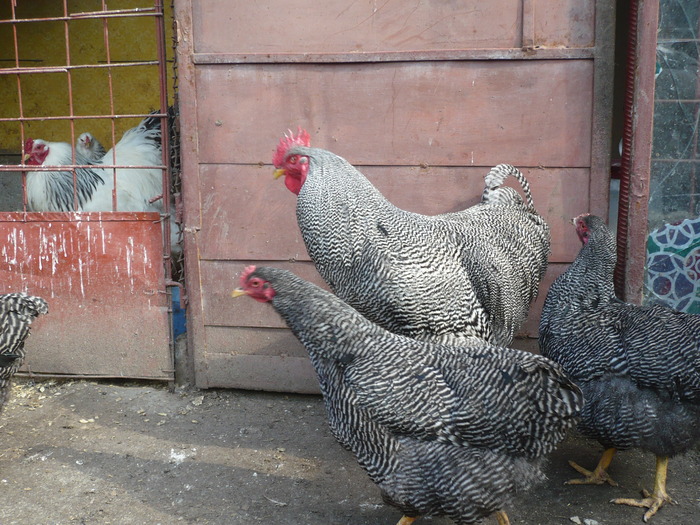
(424, 97)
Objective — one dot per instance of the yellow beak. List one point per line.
(26, 157)
(238, 292)
(278, 173)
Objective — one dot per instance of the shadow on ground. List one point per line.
(94, 453)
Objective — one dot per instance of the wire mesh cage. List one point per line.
(79, 75)
(87, 211)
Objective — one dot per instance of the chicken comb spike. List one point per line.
(302, 138)
(246, 273)
(579, 218)
(28, 145)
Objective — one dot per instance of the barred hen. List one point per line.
(17, 311)
(452, 431)
(638, 366)
(449, 278)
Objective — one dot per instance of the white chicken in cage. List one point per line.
(138, 189)
(89, 147)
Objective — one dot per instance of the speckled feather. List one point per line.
(481, 265)
(638, 367)
(17, 311)
(441, 430)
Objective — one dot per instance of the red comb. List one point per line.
(289, 140)
(28, 145)
(246, 273)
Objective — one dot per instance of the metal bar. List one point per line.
(69, 79)
(68, 167)
(540, 53)
(113, 132)
(21, 108)
(625, 161)
(165, 139)
(72, 216)
(64, 69)
(165, 151)
(112, 13)
(637, 152)
(170, 374)
(81, 117)
(125, 13)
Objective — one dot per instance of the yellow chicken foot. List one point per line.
(599, 475)
(656, 499)
(406, 520)
(502, 518)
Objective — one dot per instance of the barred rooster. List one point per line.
(638, 366)
(137, 188)
(17, 311)
(449, 278)
(89, 147)
(451, 431)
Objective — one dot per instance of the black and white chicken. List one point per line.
(138, 189)
(442, 430)
(483, 264)
(17, 311)
(638, 366)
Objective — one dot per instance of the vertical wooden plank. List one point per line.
(528, 25)
(191, 186)
(601, 132)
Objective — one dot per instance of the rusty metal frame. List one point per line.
(157, 13)
(637, 146)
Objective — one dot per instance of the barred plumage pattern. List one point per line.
(17, 311)
(441, 430)
(450, 278)
(638, 367)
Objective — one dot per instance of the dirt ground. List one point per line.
(94, 453)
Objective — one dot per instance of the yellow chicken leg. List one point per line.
(502, 518)
(656, 499)
(405, 520)
(599, 475)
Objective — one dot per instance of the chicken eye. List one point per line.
(293, 159)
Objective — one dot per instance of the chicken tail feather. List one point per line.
(493, 193)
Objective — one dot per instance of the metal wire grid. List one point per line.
(156, 12)
(18, 71)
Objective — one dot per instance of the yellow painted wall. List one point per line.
(41, 44)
